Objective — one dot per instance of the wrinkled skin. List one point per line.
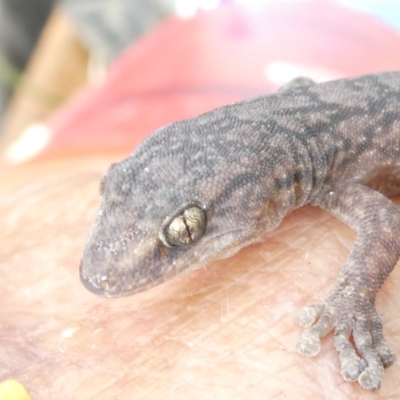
(227, 330)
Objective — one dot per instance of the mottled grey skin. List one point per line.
(247, 165)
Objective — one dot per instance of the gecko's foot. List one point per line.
(364, 360)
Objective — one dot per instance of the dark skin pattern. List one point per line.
(244, 167)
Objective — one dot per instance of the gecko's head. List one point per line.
(188, 194)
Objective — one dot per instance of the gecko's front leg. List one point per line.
(350, 310)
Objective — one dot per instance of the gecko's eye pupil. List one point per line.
(185, 228)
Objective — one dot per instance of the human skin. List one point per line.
(224, 331)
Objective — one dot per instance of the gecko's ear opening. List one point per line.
(185, 228)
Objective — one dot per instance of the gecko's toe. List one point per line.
(310, 314)
(351, 365)
(371, 378)
(323, 320)
(386, 356)
(378, 341)
(309, 344)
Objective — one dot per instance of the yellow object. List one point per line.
(13, 390)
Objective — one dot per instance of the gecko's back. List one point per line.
(351, 127)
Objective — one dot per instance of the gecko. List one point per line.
(200, 189)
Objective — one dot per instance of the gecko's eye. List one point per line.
(185, 228)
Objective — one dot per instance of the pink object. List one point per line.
(186, 67)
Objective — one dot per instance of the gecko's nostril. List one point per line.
(109, 284)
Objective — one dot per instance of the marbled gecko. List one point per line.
(201, 189)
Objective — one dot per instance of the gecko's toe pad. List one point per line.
(351, 365)
(370, 378)
(309, 344)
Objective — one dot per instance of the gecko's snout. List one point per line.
(93, 285)
(100, 285)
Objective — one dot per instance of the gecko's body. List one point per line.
(201, 189)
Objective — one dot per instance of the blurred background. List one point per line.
(84, 76)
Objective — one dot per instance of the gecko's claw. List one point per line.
(358, 319)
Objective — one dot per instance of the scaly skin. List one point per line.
(238, 171)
